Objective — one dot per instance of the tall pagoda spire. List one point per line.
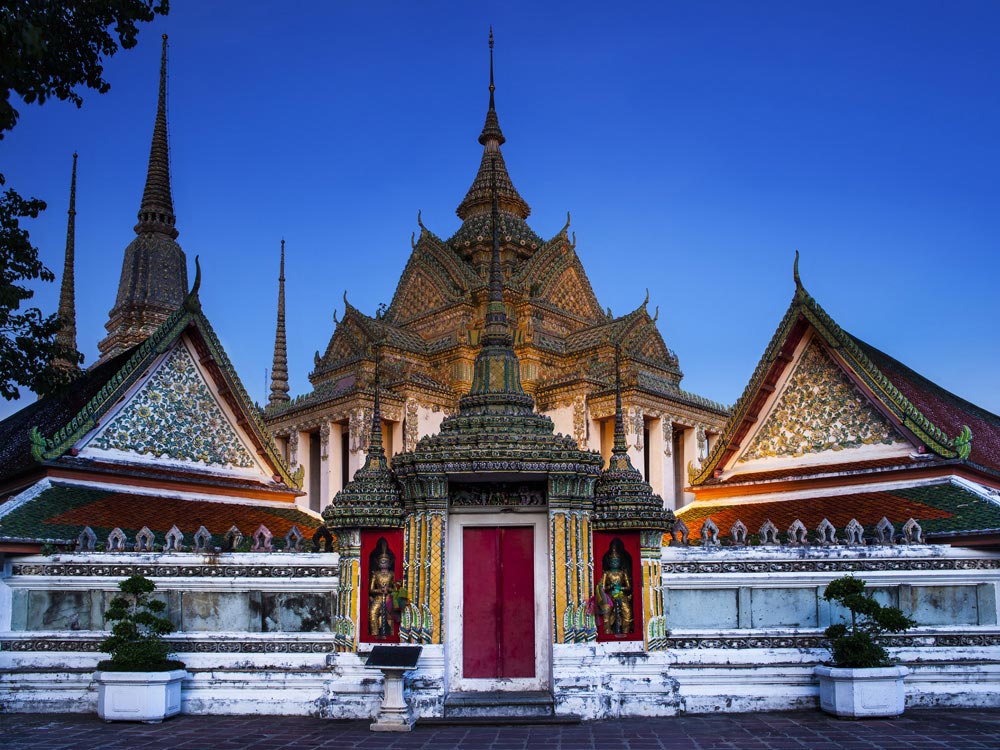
(153, 281)
(477, 201)
(279, 367)
(156, 212)
(496, 380)
(66, 337)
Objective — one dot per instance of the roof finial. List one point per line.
(66, 336)
(279, 365)
(620, 446)
(492, 136)
(795, 272)
(156, 212)
(375, 446)
(492, 86)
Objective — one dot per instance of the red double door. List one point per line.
(498, 602)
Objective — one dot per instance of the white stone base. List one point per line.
(139, 696)
(862, 693)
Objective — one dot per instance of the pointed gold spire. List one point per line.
(496, 377)
(279, 366)
(477, 201)
(153, 281)
(66, 337)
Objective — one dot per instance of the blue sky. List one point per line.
(697, 145)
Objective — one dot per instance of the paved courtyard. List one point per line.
(926, 729)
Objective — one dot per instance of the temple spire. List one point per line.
(477, 200)
(496, 378)
(153, 281)
(620, 448)
(376, 449)
(497, 332)
(279, 366)
(66, 337)
(156, 212)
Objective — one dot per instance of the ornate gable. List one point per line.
(417, 293)
(347, 342)
(175, 415)
(819, 409)
(646, 342)
(570, 291)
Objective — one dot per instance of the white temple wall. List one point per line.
(743, 632)
(562, 419)
(304, 456)
(428, 420)
(690, 453)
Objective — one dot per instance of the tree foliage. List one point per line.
(47, 49)
(136, 640)
(857, 646)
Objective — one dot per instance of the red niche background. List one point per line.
(630, 543)
(369, 541)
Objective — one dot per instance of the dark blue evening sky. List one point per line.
(697, 145)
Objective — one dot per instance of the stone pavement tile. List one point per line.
(918, 729)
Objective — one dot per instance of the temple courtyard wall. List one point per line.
(741, 631)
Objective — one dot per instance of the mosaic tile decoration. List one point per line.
(175, 415)
(819, 410)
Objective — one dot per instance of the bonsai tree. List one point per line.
(857, 646)
(136, 640)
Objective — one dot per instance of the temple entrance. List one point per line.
(498, 631)
(498, 598)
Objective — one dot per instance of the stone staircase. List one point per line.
(500, 707)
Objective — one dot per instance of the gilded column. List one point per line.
(651, 550)
(345, 623)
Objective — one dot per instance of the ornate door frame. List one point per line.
(542, 608)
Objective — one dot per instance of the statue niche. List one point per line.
(614, 591)
(381, 580)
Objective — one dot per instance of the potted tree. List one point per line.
(138, 682)
(862, 680)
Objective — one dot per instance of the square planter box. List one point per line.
(139, 696)
(862, 693)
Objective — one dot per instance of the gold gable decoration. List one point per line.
(819, 410)
(567, 293)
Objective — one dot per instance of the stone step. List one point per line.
(499, 705)
(501, 721)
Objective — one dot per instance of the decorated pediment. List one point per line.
(417, 294)
(570, 292)
(646, 342)
(818, 410)
(347, 342)
(175, 415)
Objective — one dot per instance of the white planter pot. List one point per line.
(862, 693)
(139, 696)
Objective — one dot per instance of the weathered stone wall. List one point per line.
(742, 631)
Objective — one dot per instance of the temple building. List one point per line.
(496, 474)
(430, 335)
(831, 430)
(158, 441)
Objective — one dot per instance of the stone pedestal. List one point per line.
(394, 715)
